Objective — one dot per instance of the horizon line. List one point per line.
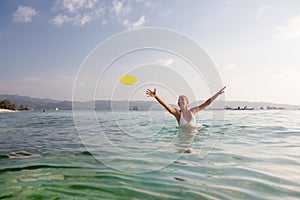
(255, 101)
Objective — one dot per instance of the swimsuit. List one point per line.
(184, 123)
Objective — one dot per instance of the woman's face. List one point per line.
(183, 101)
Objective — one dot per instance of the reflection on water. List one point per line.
(185, 139)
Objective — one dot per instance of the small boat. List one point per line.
(239, 108)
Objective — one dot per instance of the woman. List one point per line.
(185, 116)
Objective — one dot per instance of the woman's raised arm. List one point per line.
(169, 108)
(207, 102)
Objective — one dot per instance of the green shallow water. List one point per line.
(144, 155)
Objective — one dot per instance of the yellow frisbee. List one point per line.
(129, 80)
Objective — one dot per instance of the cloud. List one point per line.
(134, 25)
(24, 14)
(119, 8)
(79, 19)
(82, 19)
(166, 62)
(81, 12)
(75, 5)
(77, 12)
(289, 31)
(262, 9)
(139, 23)
(126, 23)
(60, 19)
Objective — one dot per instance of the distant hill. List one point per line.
(50, 104)
(37, 103)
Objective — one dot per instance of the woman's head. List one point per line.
(183, 101)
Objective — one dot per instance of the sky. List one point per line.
(254, 46)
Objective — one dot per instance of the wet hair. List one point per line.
(185, 97)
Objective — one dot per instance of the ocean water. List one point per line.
(145, 155)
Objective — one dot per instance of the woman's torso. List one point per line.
(184, 121)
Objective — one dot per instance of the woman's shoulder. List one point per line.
(192, 111)
(177, 112)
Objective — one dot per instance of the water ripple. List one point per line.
(256, 157)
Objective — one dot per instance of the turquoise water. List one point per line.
(142, 155)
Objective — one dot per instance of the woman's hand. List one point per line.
(221, 91)
(169, 108)
(151, 93)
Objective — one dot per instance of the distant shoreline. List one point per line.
(6, 110)
(51, 104)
